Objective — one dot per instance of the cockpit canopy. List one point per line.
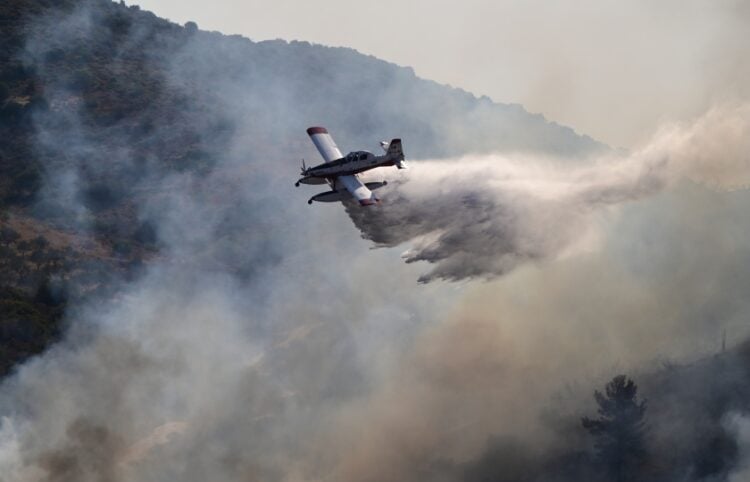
(357, 156)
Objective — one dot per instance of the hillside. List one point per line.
(100, 102)
(147, 211)
(692, 409)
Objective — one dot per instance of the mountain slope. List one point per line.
(102, 102)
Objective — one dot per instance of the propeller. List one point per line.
(304, 172)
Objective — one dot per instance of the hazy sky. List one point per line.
(608, 68)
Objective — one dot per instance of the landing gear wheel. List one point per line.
(296, 184)
(309, 202)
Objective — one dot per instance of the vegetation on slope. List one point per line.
(100, 101)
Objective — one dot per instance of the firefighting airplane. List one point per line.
(340, 172)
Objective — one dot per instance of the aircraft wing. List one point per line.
(359, 191)
(324, 142)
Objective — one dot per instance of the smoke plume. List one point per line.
(482, 216)
(265, 341)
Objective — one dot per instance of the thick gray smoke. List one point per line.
(739, 425)
(265, 341)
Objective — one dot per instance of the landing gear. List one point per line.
(296, 184)
(309, 202)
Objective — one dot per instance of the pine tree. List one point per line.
(619, 429)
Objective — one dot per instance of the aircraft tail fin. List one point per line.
(395, 152)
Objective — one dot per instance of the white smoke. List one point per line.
(482, 216)
(321, 364)
(739, 425)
